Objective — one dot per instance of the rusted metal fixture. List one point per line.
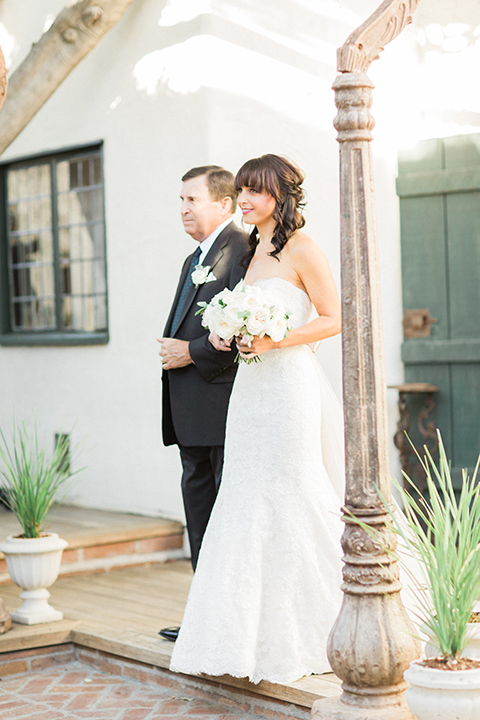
(416, 323)
(428, 431)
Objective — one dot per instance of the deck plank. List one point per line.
(121, 612)
(87, 527)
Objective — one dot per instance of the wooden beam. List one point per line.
(76, 30)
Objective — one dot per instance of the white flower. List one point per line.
(277, 329)
(223, 328)
(209, 316)
(246, 311)
(253, 299)
(277, 312)
(235, 314)
(200, 275)
(258, 321)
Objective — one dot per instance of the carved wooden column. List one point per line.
(371, 643)
(5, 619)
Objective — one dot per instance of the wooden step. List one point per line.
(113, 620)
(102, 540)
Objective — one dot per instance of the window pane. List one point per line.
(76, 276)
(22, 218)
(98, 240)
(67, 312)
(77, 313)
(65, 277)
(99, 277)
(97, 170)
(31, 247)
(22, 184)
(82, 243)
(46, 248)
(87, 277)
(89, 314)
(100, 312)
(45, 212)
(62, 253)
(32, 181)
(87, 240)
(63, 177)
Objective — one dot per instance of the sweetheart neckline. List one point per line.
(284, 280)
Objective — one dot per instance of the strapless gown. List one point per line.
(266, 591)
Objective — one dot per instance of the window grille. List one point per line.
(55, 245)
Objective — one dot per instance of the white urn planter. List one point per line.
(443, 694)
(34, 564)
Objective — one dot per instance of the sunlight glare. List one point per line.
(242, 72)
(48, 22)
(7, 43)
(178, 11)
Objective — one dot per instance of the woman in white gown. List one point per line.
(266, 590)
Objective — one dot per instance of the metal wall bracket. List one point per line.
(416, 323)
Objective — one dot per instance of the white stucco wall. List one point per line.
(180, 83)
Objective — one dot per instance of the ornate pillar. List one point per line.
(371, 643)
(5, 619)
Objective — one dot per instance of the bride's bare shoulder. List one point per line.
(301, 244)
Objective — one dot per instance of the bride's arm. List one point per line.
(313, 269)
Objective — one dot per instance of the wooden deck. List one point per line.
(102, 540)
(121, 611)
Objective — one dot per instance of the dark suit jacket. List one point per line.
(195, 398)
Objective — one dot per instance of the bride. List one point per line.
(266, 590)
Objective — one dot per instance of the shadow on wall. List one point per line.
(280, 54)
(283, 55)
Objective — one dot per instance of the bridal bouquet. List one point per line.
(248, 311)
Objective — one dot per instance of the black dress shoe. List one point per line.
(170, 633)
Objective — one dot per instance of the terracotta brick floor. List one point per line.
(75, 691)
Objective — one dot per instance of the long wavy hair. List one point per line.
(282, 179)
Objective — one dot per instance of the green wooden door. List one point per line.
(439, 190)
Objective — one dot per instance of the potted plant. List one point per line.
(442, 537)
(33, 480)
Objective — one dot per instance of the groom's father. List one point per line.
(197, 379)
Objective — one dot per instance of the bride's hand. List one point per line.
(218, 343)
(258, 346)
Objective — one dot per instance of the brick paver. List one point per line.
(77, 692)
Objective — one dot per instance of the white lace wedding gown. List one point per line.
(266, 591)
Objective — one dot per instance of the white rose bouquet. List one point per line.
(247, 311)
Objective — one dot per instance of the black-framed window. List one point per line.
(53, 280)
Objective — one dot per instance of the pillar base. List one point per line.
(336, 709)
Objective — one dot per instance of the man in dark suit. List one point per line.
(197, 379)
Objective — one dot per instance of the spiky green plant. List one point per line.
(443, 537)
(34, 479)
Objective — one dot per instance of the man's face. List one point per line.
(200, 214)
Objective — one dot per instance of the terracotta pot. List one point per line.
(33, 565)
(442, 694)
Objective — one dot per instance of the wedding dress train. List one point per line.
(266, 591)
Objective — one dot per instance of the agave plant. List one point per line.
(442, 535)
(33, 478)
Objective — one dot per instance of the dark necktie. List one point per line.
(186, 287)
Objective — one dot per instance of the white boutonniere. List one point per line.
(202, 275)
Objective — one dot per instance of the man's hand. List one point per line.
(218, 343)
(174, 353)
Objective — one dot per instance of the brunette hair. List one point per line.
(282, 179)
(220, 182)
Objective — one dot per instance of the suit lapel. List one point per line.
(180, 285)
(212, 258)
